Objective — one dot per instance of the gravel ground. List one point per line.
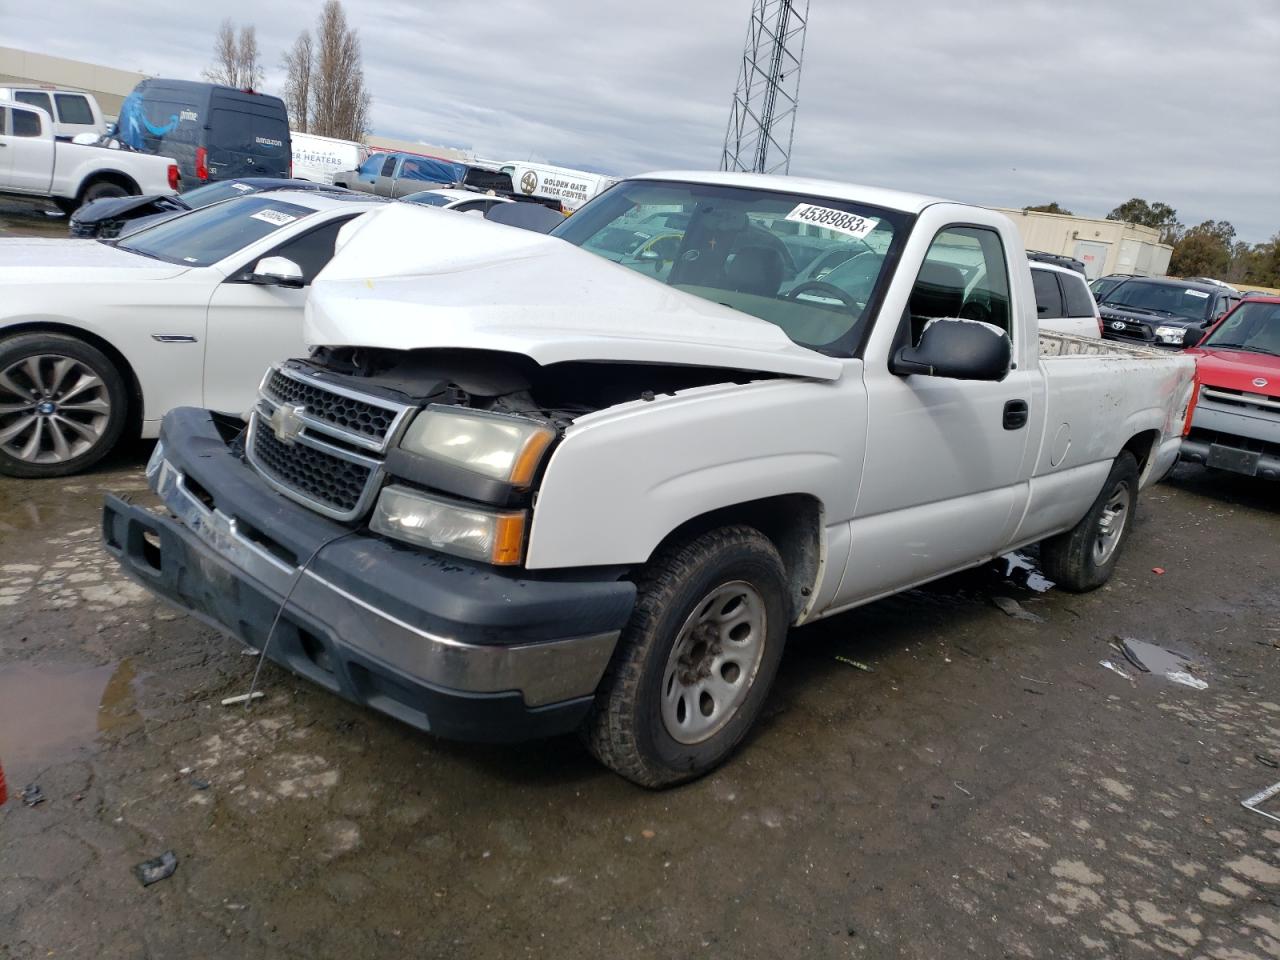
(987, 789)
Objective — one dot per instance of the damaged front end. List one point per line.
(442, 449)
(367, 529)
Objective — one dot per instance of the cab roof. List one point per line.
(837, 190)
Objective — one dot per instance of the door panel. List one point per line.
(29, 150)
(944, 481)
(251, 326)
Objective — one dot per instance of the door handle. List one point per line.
(1015, 414)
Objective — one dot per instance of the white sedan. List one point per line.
(97, 337)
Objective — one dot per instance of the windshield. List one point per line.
(1167, 299)
(809, 265)
(216, 193)
(1104, 285)
(429, 198)
(1251, 326)
(213, 233)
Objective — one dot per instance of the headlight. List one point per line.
(1169, 334)
(494, 446)
(491, 536)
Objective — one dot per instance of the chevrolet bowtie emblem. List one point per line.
(286, 421)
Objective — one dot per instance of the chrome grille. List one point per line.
(364, 420)
(317, 443)
(1259, 401)
(337, 483)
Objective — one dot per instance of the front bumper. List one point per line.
(455, 648)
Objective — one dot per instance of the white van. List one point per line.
(572, 188)
(318, 158)
(73, 111)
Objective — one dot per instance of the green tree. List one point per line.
(1159, 215)
(1204, 251)
(1053, 207)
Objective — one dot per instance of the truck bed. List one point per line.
(1067, 345)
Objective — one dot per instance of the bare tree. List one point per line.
(250, 71)
(297, 86)
(226, 56)
(235, 60)
(339, 101)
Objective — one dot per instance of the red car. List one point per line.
(1235, 420)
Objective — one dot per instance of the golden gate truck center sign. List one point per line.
(561, 188)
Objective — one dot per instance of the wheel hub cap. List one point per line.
(53, 408)
(1115, 514)
(713, 663)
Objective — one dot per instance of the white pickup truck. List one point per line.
(34, 163)
(517, 489)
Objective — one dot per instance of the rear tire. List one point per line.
(694, 665)
(100, 189)
(1084, 557)
(63, 405)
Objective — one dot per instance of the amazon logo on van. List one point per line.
(268, 142)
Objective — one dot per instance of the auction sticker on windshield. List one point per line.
(840, 221)
(274, 217)
(1196, 293)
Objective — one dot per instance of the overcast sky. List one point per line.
(1003, 102)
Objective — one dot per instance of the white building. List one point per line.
(1105, 246)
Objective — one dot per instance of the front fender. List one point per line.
(622, 479)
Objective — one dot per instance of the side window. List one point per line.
(1079, 302)
(312, 250)
(73, 108)
(36, 99)
(4, 121)
(963, 275)
(1048, 296)
(371, 166)
(26, 123)
(389, 166)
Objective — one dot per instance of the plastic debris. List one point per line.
(32, 794)
(1258, 799)
(200, 783)
(1153, 659)
(1014, 609)
(156, 869)
(242, 698)
(1266, 761)
(858, 664)
(1114, 669)
(1186, 679)
(1158, 571)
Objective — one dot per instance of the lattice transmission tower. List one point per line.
(762, 122)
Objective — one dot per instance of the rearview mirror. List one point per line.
(277, 272)
(957, 349)
(1191, 336)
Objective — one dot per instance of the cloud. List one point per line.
(1007, 103)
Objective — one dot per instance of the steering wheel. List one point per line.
(829, 290)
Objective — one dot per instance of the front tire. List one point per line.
(63, 405)
(696, 660)
(1084, 557)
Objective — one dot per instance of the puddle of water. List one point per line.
(52, 713)
(1022, 570)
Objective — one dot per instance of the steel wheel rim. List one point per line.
(713, 663)
(1115, 516)
(53, 408)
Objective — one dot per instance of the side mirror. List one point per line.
(957, 349)
(277, 272)
(1191, 336)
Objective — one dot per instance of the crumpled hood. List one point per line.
(410, 277)
(52, 260)
(1237, 370)
(110, 208)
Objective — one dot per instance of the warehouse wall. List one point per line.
(109, 85)
(1106, 246)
